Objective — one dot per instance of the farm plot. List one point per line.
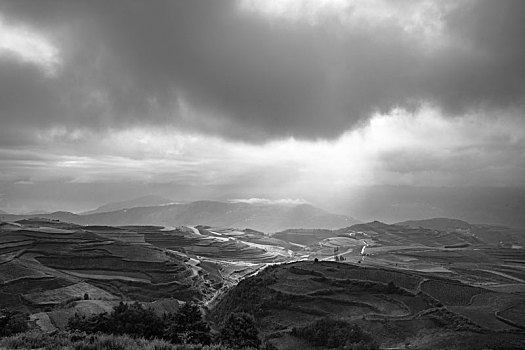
(507, 255)
(128, 251)
(14, 270)
(12, 246)
(481, 316)
(110, 275)
(24, 286)
(60, 295)
(43, 321)
(117, 233)
(416, 303)
(450, 293)
(108, 263)
(379, 303)
(59, 318)
(474, 275)
(401, 279)
(515, 314)
(328, 307)
(507, 288)
(446, 257)
(298, 286)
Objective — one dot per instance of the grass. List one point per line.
(83, 341)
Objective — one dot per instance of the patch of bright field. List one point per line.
(78, 290)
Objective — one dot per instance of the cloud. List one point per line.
(258, 99)
(28, 46)
(283, 201)
(256, 71)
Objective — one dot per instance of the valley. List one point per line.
(415, 283)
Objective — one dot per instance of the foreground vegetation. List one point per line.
(186, 326)
(132, 326)
(336, 334)
(83, 341)
(12, 322)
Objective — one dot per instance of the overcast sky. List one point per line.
(286, 99)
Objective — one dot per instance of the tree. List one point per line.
(132, 319)
(239, 331)
(12, 322)
(135, 320)
(332, 333)
(187, 326)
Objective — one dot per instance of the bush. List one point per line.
(12, 322)
(132, 319)
(332, 333)
(239, 332)
(187, 326)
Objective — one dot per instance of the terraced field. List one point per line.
(394, 305)
(48, 263)
(451, 293)
(400, 283)
(340, 290)
(75, 291)
(221, 245)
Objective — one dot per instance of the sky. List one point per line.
(286, 100)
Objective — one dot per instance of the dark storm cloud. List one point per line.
(249, 77)
(488, 71)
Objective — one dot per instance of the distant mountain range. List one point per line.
(145, 201)
(266, 217)
(487, 205)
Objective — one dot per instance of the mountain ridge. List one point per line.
(144, 201)
(261, 216)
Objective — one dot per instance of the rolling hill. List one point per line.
(45, 264)
(399, 308)
(491, 234)
(441, 224)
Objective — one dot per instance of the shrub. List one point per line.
(239, 332)
(332, 333)
(132, 319)
(12, 322)
(187, 326)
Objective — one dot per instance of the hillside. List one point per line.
(400, 283)
(48, 267)
(490, 234)
(441, 224)
(397, 307)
